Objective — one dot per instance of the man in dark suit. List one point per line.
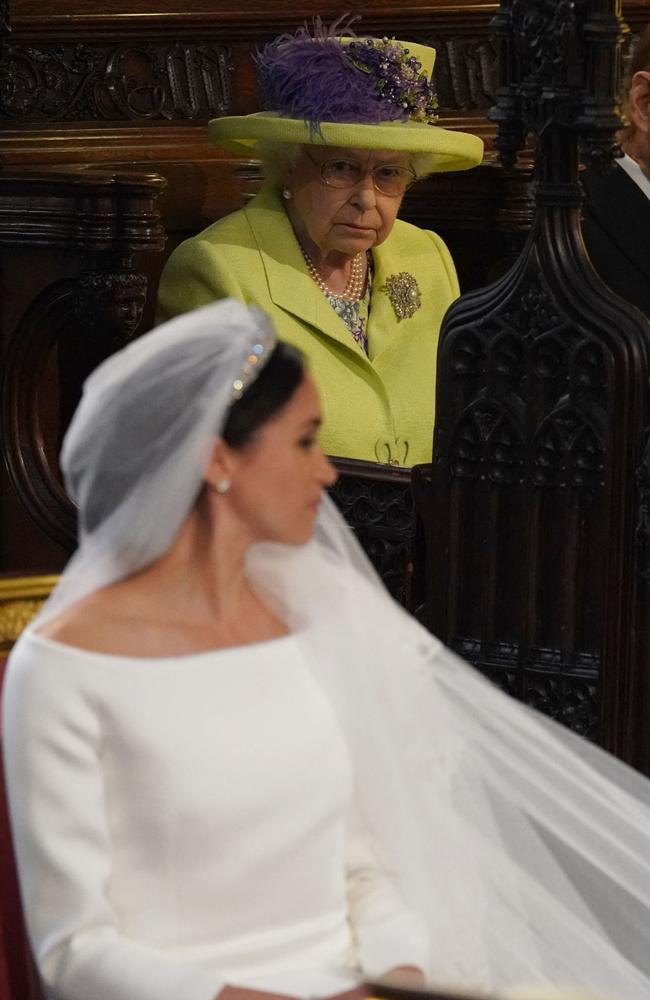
(616, 225)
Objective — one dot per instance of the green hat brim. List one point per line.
(446, 149)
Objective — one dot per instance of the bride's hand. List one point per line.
(404, 976)
(241, 993)
(358, 993)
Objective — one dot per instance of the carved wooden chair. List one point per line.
(377, 502)
(18, 978)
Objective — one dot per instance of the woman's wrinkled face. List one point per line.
(338, 220)
(277, 479)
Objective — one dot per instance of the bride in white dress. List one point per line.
(236, 768)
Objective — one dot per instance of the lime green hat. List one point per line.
(363, 93)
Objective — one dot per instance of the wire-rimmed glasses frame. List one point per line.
(345, 173)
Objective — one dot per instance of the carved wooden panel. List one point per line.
(70, 67)
(377, 502)
(140, 80)
(73, 295)
(536, 504)
(135, 81)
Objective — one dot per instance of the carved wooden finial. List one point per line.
(560, 67)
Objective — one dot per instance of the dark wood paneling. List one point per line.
(72, 294)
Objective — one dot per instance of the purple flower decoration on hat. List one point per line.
(319, 79)
(397, 77)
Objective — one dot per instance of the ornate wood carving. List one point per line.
(96, 224)
(71, 65)
(134, 81)
(114, 299)
(537, 528)
(141, 80)
(377, 503)
(83, 211)
(466, 72)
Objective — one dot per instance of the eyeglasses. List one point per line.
(388, 178)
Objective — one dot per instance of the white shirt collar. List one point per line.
(633, 170)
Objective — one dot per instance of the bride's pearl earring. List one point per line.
(286, 194)
(222, 486)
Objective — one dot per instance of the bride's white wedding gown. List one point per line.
(189, 822)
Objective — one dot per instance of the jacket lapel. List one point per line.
(384, 329)
(290, 285)
(623, 210)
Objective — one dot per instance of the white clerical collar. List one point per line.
(633, 170)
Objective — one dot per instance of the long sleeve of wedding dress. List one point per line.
(385, 929)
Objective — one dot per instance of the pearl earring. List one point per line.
(222, 486)
(286, 194)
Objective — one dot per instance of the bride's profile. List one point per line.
(236, 767)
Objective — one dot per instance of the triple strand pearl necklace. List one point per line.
(353, 291)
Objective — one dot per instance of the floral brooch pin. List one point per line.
(404, 294)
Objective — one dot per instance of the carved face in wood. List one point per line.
(125, 308)
(113, 303)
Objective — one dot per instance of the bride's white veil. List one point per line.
(526, 849)
(134, 453)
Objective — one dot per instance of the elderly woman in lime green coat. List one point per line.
(320, 249)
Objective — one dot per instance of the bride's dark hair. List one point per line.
(271, 390)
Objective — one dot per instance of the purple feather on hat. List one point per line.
(313, 77)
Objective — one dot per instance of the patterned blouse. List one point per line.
(354, 313)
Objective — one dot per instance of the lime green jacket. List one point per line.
(378, 407)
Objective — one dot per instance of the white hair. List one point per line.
(421, 164)
(278, 158)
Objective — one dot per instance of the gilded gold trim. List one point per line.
(14, 587)
(21, 598)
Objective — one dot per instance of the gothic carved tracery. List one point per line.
(135, 81)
